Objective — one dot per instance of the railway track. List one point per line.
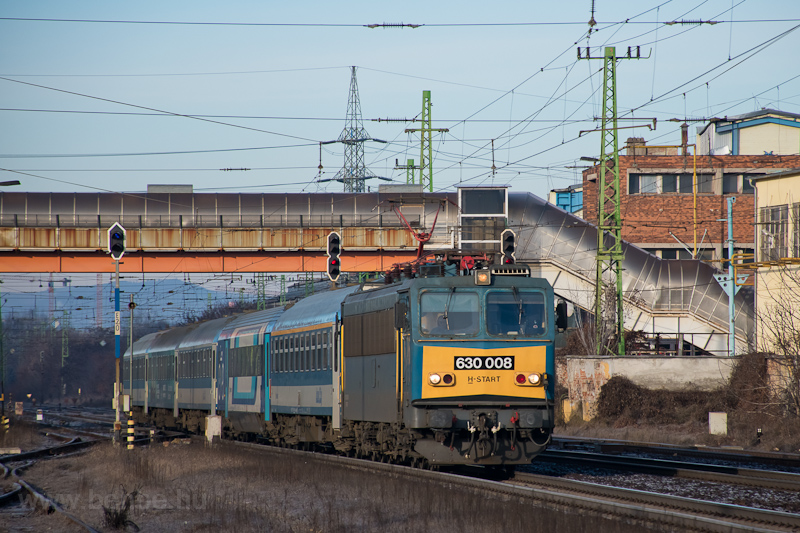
(627, 507)
(706, 454)
(36, 499)
(570, 496)
(749, 477)
(689, 513)
(20, 493)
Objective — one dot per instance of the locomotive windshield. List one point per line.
(449, 313)
(515, 312)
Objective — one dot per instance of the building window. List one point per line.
(704, 182)
(669, 183)
(796, 230)
(738, 183)
(774, 229)
(730, 183)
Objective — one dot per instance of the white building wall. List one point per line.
(775, 138)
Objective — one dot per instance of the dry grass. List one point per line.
(629, 412)
(22, 434)
(193, 488)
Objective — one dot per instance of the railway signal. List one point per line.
(508, 245)
(334, 249)
(116, 241)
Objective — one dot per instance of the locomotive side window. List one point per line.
(449, 313)
(515, 313)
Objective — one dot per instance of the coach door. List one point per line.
(177, 382)
(213, 365)
(331, 342)
(267, 377)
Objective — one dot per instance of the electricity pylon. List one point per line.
(354, 172)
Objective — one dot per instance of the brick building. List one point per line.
(659, 211)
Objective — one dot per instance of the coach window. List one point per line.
(302, 340)
(449, 313)
(319, 349)
(326, 351)
(310, 351)
(295, 353)
(306, 353)
(312, 348)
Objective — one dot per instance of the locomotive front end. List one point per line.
(482, 360)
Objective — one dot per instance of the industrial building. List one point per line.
(674, 199)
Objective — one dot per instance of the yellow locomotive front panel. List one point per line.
(509, 372)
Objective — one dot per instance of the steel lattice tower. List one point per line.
(609, 218)
(425, 145)
(354, 172)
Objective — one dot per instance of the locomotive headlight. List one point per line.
(483, 277)
(442, 380)
(525, 379)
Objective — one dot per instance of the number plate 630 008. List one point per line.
(485, 362)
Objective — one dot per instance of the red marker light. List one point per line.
(448, 379)
(520, 378)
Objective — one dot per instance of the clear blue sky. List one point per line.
(487, 70)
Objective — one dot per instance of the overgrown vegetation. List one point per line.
(630, 411)
(626, 403)
(116, 515)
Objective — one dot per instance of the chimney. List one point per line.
(635, 146)
(685, 138)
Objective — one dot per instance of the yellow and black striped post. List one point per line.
(6, 423)
(130, 430)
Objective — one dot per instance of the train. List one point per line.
(448, 366)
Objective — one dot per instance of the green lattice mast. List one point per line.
(426, 145)
(609, 218)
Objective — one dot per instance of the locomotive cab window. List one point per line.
(449, 313)
(514, 312)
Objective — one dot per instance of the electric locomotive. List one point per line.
(451, 369)
(437, 368)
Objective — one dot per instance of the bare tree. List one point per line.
(778, 324)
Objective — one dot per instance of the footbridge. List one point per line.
(677, 300)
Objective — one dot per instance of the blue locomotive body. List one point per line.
(437, 370)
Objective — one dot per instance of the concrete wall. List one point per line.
(584, 376)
